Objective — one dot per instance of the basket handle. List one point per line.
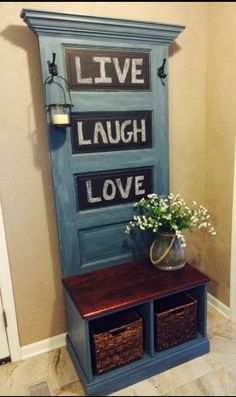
(178, 310)
(117, 332)
(155, 262)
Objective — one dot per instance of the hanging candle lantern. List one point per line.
(60, 113)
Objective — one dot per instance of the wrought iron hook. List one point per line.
(161, 70)
(52, 67)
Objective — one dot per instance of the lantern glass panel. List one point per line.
(60, 115)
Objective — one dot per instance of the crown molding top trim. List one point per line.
(55, 23)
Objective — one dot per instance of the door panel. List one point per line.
(96, 185)
(109, 244)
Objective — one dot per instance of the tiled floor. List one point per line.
(213, 374)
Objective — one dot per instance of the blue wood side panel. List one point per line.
(146, 313)
(200, 294)
(78, 331)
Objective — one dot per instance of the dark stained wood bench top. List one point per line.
(103, 291)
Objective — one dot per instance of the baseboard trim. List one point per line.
(218, 305)
(43, 346)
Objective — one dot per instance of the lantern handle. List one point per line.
(53, 70)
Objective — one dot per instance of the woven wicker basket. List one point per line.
(175, 320)
(116, 340)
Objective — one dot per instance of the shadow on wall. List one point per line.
(174, 48)
(22, 37)
(38, 135)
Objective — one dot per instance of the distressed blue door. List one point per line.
(116, 150)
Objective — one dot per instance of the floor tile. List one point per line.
(214, 317)
(144, 388)
(55, 366)
(221, 382)
(71, 389)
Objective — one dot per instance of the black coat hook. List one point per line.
(52, 67)
(161, 70)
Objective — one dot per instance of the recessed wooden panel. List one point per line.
(99, 69)
(110, 242)
(102, 189)
(103, 131)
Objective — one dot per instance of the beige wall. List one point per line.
(25, 180)
(220, 137)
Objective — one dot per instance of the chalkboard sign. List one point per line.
(95, 132)
(89, 69)
(103, 189)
